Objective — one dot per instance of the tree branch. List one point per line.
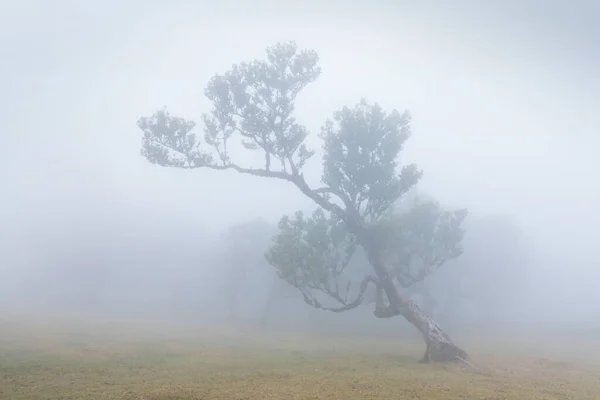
(296, 178)
(345, 199)
(385, 312)
(301, 184)
(158, 153)
(310, 300)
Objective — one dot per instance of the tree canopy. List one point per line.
(361, 181)
(318, 255)
(253, 104)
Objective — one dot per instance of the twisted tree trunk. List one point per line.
(429, 304)
(439, 346)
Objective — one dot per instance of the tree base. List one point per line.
(444, 352)
(439, 345)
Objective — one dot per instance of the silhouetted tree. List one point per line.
(253, 103)
(244, 251)
(494, 263)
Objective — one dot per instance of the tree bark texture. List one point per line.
(439, 346)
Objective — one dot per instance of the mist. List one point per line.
(503, 99)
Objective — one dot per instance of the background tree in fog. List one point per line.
(244, 246)
(495, 262)
(422, 242)
(252, 110)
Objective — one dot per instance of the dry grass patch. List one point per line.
(50, 363)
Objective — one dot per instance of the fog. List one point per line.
(504, 100)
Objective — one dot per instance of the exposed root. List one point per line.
(471, 366)
(441, 349)
(447, 352)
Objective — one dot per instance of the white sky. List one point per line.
(503, 98)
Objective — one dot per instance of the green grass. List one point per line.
(60, 358)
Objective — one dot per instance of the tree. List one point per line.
(495, 262)
(244, 248)
(254, 103)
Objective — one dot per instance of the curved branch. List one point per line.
(385, 312)
(157, 153)
(345, 306)
(328, 190)
(298, 180)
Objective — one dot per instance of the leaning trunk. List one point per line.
(439, 346)
(429, 303)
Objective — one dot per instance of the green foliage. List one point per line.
(257, 100)
(312, 252)
(253, 103)
(318, 252)
(361, 157)
(169, 141)
(419, 241)
(252, 107)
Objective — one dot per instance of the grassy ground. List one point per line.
(62, 359)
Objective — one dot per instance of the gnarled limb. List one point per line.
(345, 306)
(169, 142)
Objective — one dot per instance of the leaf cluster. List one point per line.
(252, 107)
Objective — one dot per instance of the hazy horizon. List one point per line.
(503, 100)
